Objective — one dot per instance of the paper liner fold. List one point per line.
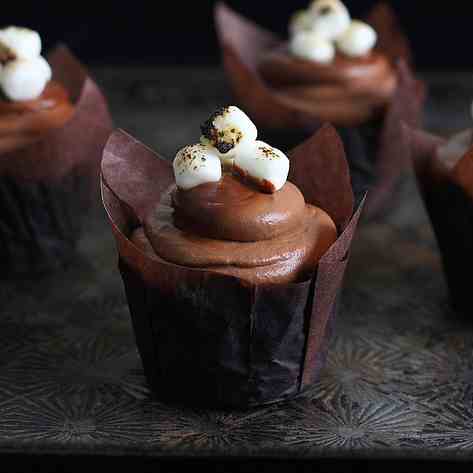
(46, 187)
(212, 339)
(450, 208)
(391, 39)
(330, 186)
(243, 44)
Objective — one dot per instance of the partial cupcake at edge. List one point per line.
(444, 170)
(236, 253)
(54, 123)
(332, 68)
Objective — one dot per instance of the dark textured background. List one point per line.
(181, 32)
(398, 382)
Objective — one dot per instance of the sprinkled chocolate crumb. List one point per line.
(325, 10)
(224, 147)
(207, 128)
(6, 55)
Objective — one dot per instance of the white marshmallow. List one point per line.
(229, 130)
(330, 18)
(23, 43)
(196, 164)
(358, 40)
(25, 79)
(263, 163)
(310, 45)
(301, 20)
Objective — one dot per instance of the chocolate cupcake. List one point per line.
(352, 74)
(444, 170)
(231, 271)
(53, 125)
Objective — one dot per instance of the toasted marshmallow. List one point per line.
(301, 20)
(22, 43)
(359, 39)
(195, 165)
(268, 167)
(229, 130)
(310, 45)
(330, 18)
(25, 79)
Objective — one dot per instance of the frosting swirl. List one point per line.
(23, 122)
(347, 91)
(254, 216)
(233, 229)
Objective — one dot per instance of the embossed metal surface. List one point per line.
(398, 381)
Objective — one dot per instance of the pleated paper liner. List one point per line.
(210, 339)
(383, 158)
(47, 187)
(449, 204)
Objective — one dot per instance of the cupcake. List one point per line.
(444, 170)
(351, 73)
(53, 126)
(232, 258)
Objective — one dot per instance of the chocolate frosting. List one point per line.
(234, 229)
(235, 211)
(24, 122)
(348, 91)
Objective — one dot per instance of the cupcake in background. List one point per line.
(330, 68)
(353, 74)
(444, 170)
(234, 252)
(54, 123)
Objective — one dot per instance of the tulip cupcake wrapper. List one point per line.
(210, 339)
(450, 209)
(243, 44)
(47, 187)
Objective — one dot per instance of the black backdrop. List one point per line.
(181, 32)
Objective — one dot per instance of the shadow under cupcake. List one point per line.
(232, 277)
(54, 123)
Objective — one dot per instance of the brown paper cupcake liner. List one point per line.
(47, 187)
(211, 339)
(40, 222)
(383, 158)
(450, 208)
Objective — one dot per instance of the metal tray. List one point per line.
(398, 382)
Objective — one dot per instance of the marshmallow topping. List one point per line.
(196, 164)
(330, 18)
(25, 72)
(358, 40)
(228, 130)
(316, 33)
(310, 45)
(266, 166)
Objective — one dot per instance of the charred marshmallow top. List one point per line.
(24, 73)
(330, 18)
(230, 141)
(228, 130)
(326, 26)
(195, 165)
